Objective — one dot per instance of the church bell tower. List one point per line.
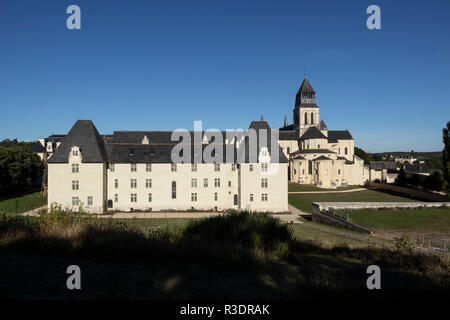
(306, 111)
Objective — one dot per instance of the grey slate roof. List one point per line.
(381, 165)
(287, 128)
(339, 135)
(313, 133)
(305, 87)
(37, 147)
(306, 151)
(85, 136)
(287, 135)
(322, 158)
(416, 168)
(127, 147)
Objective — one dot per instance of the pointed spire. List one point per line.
(285, 121)
(306, 87)
(262, 118)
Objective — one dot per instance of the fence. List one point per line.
(441, 245)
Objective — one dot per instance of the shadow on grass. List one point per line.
(238, 256)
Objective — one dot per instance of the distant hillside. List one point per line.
(431, 154)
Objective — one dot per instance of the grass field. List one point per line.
(240, 256)
(295, 187)
(23, 203)
(304, 231)
(304, 201)
(433, 223)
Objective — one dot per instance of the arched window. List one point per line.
(306, 118)
(310, 167)
(346, 150)
(288, 150)
(235, 199)
(174, 189)
(312, 118)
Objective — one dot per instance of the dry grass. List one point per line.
(240, 255)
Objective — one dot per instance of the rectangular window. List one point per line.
(133, 197)
(90, 201)
(264, 197)
(173, 167)
(116, 183)
(75, 185)
(133, 183)
(75, 201)
(148, 183)
(264, 167)
(74, 152)
(216, 166)
(194, 167)
(251, 196)
(174, 189)
(148, 167)
(229, 184)
(116, 198)
(133, 167)
(194, 183)
(217, 182)
(215, 196)
(75, 168)
(111, 167)
(205, 182)
(149, 197)
(251, 167)
(233, 167)
(264, 182)
(193, 196)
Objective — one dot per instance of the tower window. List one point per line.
(306, 118)
(312, 118)
(346, 150)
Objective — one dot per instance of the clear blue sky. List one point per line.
(160, 65)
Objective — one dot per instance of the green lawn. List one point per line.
(304, 231)
(23, 203)
(295, 187)
(434, 223)
(304, 201)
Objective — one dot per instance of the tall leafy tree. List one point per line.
(20, 168)
(446, 156)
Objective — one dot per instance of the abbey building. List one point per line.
(318, 156)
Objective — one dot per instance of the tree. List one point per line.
(20, 168)
(433, 182)
(401, 178)
(446, 156)
(362, 154)
(414, 180)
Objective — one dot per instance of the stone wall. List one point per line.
(322, 216)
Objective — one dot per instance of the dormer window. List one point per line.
(74, 152)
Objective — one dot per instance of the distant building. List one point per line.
(383, 171)
(405, 158)
(45, 147)
(416, 168)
